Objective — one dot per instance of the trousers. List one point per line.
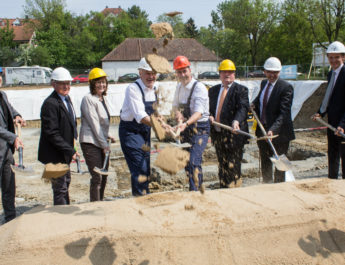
(8, 187)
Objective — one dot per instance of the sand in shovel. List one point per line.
(53, 171)
(158, 63)
(157, 128)
(163, 29)
(172, 159)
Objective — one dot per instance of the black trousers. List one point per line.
(229, 155)
(336, 150)
(60, 189)
(94, 157)
(266, 164)
(8, 187)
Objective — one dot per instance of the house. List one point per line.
(124, 58)
(22, 30)
(111, 12)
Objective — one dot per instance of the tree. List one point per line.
(326, 18)
(252, 19)
(191, 31)
(7, 36)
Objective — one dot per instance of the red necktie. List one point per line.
(264, 103)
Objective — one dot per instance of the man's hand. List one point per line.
(270, 133)
(76, 154)
(178, 116)
(211, 119)
(19, 120)
(235, 126)
(18, 143)
(112, 139)
(316, 115)
(107, 149)
(338, 131)
(182, 126)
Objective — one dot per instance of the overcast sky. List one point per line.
(199, 10)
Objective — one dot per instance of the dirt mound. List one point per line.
(310, 107)
(285, 223)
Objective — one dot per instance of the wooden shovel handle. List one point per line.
(19, 130)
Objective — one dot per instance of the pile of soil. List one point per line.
(287, 223)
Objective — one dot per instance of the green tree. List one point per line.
(7, 36)
(190, 29)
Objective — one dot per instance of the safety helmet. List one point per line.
(144, 65)
(336, 47)
(96, 73)
(227, 65)
(181, 62)
(273, 64)
(61, 74)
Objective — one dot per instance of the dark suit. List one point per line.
(336, 117)
(278, 120)
(229, 146)
(7, 177)
(57, 142)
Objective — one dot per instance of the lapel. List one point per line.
(340, 77)
(215, 96)
(1, 110)
(62, 106)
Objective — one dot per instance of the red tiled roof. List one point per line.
(132, 49)
(115, 11)
(22, 32)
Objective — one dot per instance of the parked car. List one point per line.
(208, 75)
(128, 78)
(82, 78)
(170, 76)
(256, 73)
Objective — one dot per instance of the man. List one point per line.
(8, 142)
(229, 105)
(333, 105)
(135, 127)
(273, 105)
(58, 132)
(191, 108)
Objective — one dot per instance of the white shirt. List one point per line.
(263, 94)
(133, 105)
(63, 98)
(199, 101)
(337, 71)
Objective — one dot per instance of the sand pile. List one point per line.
(287, 223)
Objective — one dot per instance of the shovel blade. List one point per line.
(22, 169)
(282, 163)
(184, 145)
(101, 171)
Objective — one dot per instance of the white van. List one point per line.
(26, 75)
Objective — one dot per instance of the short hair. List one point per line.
(92, 85)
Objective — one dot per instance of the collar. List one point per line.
(190, 84)
(141, 83)
(229, 86)
(273, 84)
(338, 69)
(63, 98)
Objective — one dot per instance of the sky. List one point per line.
(199, 10)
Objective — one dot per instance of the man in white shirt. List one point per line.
(135, 126)
(191, 108)
(333, 105)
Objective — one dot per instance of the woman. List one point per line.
(95, 120)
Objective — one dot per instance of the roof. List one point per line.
(23, 32)
(136, 48)
(115, 11)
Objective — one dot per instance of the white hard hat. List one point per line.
(144, 65)
(336, 47)
(61, 74)
(273, 64)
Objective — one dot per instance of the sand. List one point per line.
(287, 223)
(159, 63)
(163, 29)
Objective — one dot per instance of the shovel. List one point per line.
(103, 171)
(252, 137)
(281, 162)
(79, 170)
(21, 168)
(320, 120)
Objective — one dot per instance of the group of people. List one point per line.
(196, 111)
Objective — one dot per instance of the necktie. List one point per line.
(264, 103)
(328, 95)
(221, 101)
(70, 111)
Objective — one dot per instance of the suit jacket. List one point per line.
(278, 111)
(57, 132)
(7, 134)
(336, 106)
(235, 107)
(94, 121)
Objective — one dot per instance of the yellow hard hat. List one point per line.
(227, 65)
(96, 73)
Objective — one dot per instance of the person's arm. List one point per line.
(136, 103)
(50, 127)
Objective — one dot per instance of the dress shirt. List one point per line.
(63, 98)
(199, 101)
(263, 94)
(337, 71)
(133, 105)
